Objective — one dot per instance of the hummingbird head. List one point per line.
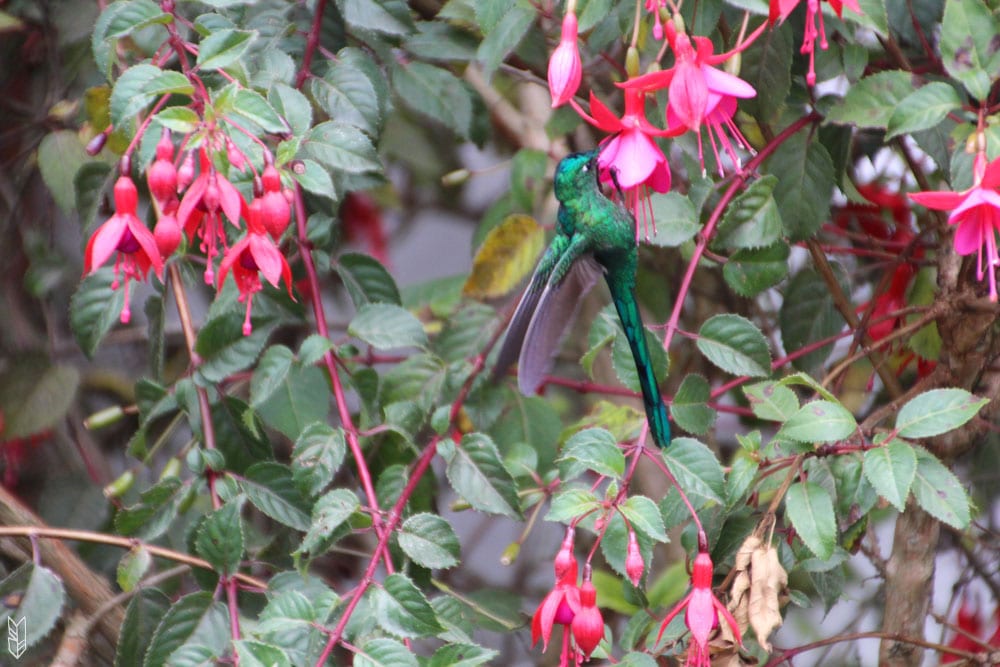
(576, 172)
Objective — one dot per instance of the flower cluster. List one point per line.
(198, 205)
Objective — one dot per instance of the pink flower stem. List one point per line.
(661, 464)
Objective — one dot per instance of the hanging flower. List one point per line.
(780, 9)
(588, 624)
(976, 212)
(162, 175)
(653, 6)
(634, 564)
(275, 211)
(563, 601)
(565, 68)
(703, 610)
(125, 236)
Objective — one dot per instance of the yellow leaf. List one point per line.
(506, 256)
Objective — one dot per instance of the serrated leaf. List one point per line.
(435, 93)
(372, 15)
(139, 85)
(690, 405)
(252, 106)
(508, 254)
(143, 614)
(314, 348)
(676, 219)
(696, 469)
(259, 654)
(810, 509)
(969, 48)
(872, 101)
(937, 411)
(366, 280)
(644, 516)
(36, 594)
(571, 503)
(220, 538)
(923, 109)
(403, 610)
(750, 272)
(808, 314)
(153, 514)
(271, 488)
(819, 421)
(293, 106)
(735, 345)
(316, 457)
(890, 469)
(127, 17)
(302, 398)
(384, 652)
(223, 48)
(597, 450)
(805, 184)
(430, 541)
(939, 492)
(194, 620)
(328, 514)
(477, 473)
(270, 373)
(94, 309)
(341, 148)
(504, 37)
(133, 567)
(386, 326)
(183, 120)
(752, 219)
(314, 178)
(348, 92)
(742, 472)
(461, 655)
(224, 349)
(771, 401)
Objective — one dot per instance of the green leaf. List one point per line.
(402, 609)
(127, 17)
(937, 411)
(372, 15)
(220, 538)
(819, 421)
(143, 614)
(752, 219)
(735, 345)
(301, 399)
(939, 492)
(689, 407)
(34, 594)
(94, 309)
(328, 514)
(696, 469)
(387, 326)
(742, 472)
(293, 106)
(252, 106)
(810, 509)
(348, 91)
(270, 487)
(314, 348)
(750, 272)
(258, 654)
(270, 373)
(60, 156)
(436, 94)
(872, 101)
(179, 119)
(430, 541)
(676, 219)
(923, 109)
(771, 401)
(461, 655)
(35, 395)
(504, 37)
(141, 84)
(153, 514)
(341, 148)
(193, 620)
(90, 181)
(366, 280)
(808, 314)
(597, 450)
(805, 184)
(969, 47)
(570, 503)
(767, 66)
(316, 457)
(384, 652)
(891, 468)
(477, 473)
(224, 349)
(223, 48)
(133, 567)
(644, 516)
(314, 178)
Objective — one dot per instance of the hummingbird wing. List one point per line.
(552, 314)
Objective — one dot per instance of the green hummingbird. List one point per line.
(594, 235)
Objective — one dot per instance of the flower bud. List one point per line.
(565, 561)
(212, 197)
(565, 67)
(96, 145)
(588, 624)
(167, 233)
(633, 560)
(120, 486)
(632, 61)
(126, 196)
(186, 172)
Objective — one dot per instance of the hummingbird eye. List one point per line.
(586, 167)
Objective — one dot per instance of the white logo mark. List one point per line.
(17, 633)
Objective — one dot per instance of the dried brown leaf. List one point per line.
(739, 593)
(768, 581)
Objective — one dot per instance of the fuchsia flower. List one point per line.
(702, 610)
(700, 93)
(976, 212)
(653, 6)
(633, 559)
(782, 8)
(565, 68)
(124, 235)
(563, 602)
(588, 624)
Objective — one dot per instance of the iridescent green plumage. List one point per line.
(594, 235)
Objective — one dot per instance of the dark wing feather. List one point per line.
(553, 313)
(519, 321)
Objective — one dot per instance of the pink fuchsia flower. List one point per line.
(162, 175)
(782, 8)
(976, 212)
(588, 624)
(565, 67)
(563, 602)
(275, 212)
(653, 6)
(124, 235)
(634, 564)
(251, 256)
(703, 610)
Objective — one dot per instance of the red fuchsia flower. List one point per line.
(563, 602)
(251, 256)
(565, 68)
(275, 212)
(362, 220)
(588, 624)
(125, 236)
(209, 196)
(634, 564)
(162, 175)
(699, 93)
(782, 8)
(970, 623)
(976, 212)
(702, 610)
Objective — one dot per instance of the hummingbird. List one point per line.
(594, 235)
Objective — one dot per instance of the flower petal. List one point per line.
(147, 242)
(605, 118)
(969, 235)
(939, 200)
(104, 242)
(267, 256)
(727, 84)
(232, 256)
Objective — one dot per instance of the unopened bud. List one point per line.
(453, 178)
(96, 145)
(172, 469)
(634, 564)
(732, 66)
(103, 418)
(678, 21)
(510, 554)
(120, 486)
(632, 62)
